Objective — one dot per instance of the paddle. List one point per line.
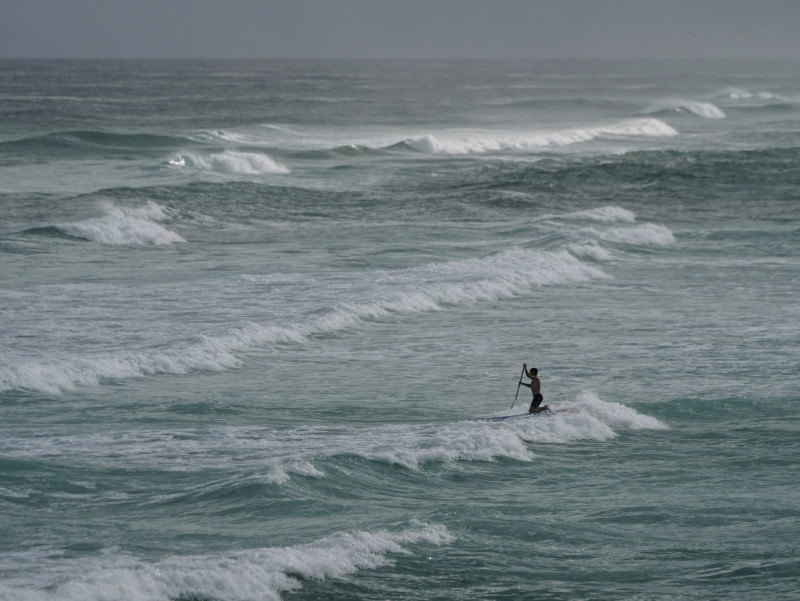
(518, 385)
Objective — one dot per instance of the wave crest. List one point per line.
(742, 94)
(481, 143)
(238, 575)
(125, 226)
(706, 110)
(648, 234)
(231, 162)
(607, 214)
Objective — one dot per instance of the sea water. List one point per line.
(249, 310)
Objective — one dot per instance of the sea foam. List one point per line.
(608, 214)
(380, 294)
(742, 94)
(480, 143)
(67, 372)
(586, 418)
(705, 110)
(125, 225)
(231, 162)
(590, 251)
(647, 234)
(615, 415)
(263, 573)
(277, 455)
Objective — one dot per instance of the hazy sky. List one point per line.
(399, 28)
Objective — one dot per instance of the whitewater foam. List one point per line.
(613, 414)
(481, 143)
(277, 454)
(586, 418)
(742, 94)
(280, 472)
(59, 374)
(231, 162)
(590, 251)
(238, 575)
(648, 234)
(608, 214)
(125, 226)
(381, 294)
(705, 110)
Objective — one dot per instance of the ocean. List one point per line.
(251, 310)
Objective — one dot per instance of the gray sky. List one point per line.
(400, 28)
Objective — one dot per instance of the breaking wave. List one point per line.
(705, 110)
(478, 143)
(231, 162)
(607, 214)
(308, 451)
(648, 234)
(263, 573)
(124, 225)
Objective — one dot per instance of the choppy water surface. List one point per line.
(250, 309)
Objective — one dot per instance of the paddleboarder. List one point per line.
(536, 388)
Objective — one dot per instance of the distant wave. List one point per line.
(705, 110)
(740, 99)
(263, 573)
(742, 94)
(479, 143)
(230, 162)
(589, 251)
(255, 135)
(92, 141)
(607, 214)
(124, 225)
(347, 150)
(648, 234)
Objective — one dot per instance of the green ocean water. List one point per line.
(250, 310)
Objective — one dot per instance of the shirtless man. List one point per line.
(536, 389)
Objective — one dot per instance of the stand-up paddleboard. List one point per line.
(498, 418)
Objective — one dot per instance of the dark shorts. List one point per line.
(537, 400)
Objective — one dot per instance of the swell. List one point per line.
(641, 171)
(47, 231)
(88, 143)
